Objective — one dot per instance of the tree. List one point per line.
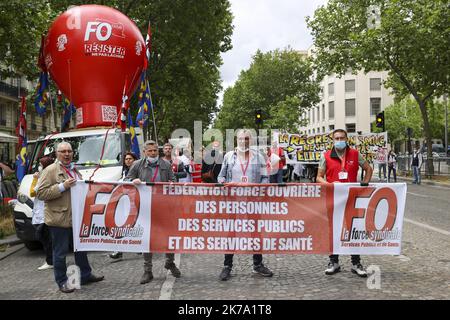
(187, 40)
(409, 39)
(280, 83)
(21, 26)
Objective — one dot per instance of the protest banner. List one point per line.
(235, 218)
(368, 220)
(308, 149)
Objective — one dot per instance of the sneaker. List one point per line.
(146, 277)
(359, 270)
(333, 267)
(116, 255)
(173, 269)
(225, 274)
(262, 270)
(45, 266)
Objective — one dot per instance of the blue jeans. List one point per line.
(416, 173)
(61, 238)
(277, 177)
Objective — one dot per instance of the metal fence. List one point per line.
(441, 165)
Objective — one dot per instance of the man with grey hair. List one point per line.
(152, 168)
(244, 165)
(54, 189)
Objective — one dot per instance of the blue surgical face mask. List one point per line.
(340, 144)
(152, 160)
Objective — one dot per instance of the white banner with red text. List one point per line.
(238, 218)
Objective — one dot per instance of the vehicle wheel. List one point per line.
(33, 245)
(11, 189)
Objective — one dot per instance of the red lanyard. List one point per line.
(343, 161)
(246, 167)
(68, 172)
(156, 173)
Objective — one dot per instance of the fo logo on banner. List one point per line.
(351, 212)
(109, 210)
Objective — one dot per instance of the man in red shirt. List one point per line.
(277, 176)
(340, 165)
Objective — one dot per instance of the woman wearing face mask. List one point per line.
(42, 232)
(340, 164)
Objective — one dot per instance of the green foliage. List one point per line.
(280, 83)
(187, 40)
(409, 39)
(406, 114)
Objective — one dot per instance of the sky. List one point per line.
(265, 25)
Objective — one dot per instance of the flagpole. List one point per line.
(153, 115)
(51, 107)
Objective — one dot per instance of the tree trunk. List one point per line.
(427, 129)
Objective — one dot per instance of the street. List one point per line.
(421, 272)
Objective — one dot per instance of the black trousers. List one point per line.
(389, 174)
(228, 262)
(44, 237)
(356, 258)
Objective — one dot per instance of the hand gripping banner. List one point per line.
(238, 218)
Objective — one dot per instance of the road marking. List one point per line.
(418, 195)
(166, 289)
(444, 232)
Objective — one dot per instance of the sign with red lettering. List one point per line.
(368, 220)
(238, 218)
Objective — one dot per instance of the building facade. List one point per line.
(10, 91)
(349, 102)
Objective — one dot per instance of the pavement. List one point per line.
(421, 272)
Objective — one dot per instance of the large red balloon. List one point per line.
(90, 52)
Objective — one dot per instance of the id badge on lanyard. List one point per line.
(244, 178)
(343, 175)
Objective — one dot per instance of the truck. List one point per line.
(87, 144)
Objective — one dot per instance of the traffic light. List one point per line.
(258, 116)
(380, 120)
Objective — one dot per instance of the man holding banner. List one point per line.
(151, 168)
(244, 166)
(54, 189)
(340, 165)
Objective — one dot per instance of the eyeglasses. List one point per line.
(65, 151)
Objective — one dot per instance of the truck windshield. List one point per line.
(87, 150)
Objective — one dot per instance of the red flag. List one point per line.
(41, 59)
(124, 107)
(148, 46)
(21, 129)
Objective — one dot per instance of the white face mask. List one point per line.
(40, 168)
(152, 160)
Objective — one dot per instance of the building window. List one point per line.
(313, 111)
(321, 93)
(375, 106)
(350, 127)
(331, 110)
(323, 129)
(350, 108)
(331, 89)
(3, 114)
(349, 85)
(375, 84)
(323, 112)
(332, 128)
